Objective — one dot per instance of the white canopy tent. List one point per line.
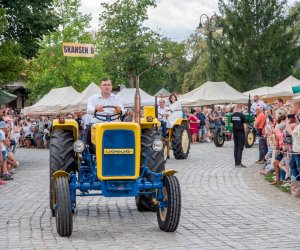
(162, 93)
(268, 92)
(212, 93)
(288, 83)
(51, 103)
(126, 96)
(80, 103)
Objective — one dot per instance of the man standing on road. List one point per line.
(239, 125)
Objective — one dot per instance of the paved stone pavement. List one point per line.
(222, 208)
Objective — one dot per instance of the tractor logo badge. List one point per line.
(119, 151)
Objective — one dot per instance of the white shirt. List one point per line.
(2, 138)
(161, 112)
(86, 119)
(97, 99)
(254, 105)
(176, 113)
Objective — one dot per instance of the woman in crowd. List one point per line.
(194, 125)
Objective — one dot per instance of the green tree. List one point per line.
(50, 69)
(198, 65)
(127, 46)
(28, 21)
(294, 9)
(259, 45)
(10, 58)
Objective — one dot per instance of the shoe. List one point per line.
(7, 177)
(240, 166)
(207, 140)
(275, 182)
(2, 182)
(260, 162)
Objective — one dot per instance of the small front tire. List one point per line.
(63, 210)
(168, 217)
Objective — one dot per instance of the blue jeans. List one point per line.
(164, 128)
(295, 166)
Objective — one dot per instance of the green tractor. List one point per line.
(127, 161)
(224, 133)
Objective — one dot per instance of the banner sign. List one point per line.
(78, 50)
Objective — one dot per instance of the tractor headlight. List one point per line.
(78, 146)
(157, 145)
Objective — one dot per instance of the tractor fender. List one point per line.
(169, 172)
(68, 124)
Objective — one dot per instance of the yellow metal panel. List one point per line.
(149, 111)
(98, 131)
(69, 124)
(144, 124)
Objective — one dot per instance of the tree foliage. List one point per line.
(28, 21)
(127, 46)
(259, 42)
(50, 69)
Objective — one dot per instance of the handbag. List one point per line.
(288, 140)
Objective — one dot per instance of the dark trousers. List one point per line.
(295, 166)
(263, 148)
(164, 128)
(239, 142)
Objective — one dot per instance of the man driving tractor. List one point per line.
(103, 103)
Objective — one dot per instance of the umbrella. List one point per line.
(6, 97)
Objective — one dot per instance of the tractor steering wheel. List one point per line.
(108, 117)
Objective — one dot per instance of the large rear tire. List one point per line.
(63, 211)
(219, 138)
(249, 138)
(180, 142)
(62, 156)
(156, 163)
(168, 217)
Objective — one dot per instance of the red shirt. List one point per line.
(261, 122)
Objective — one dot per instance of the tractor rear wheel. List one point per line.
(219, 138)
(181, 142)
(62, 156)
(156, 163)
(249, 138)
(168, 217)
(63, 211)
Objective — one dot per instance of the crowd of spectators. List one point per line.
(279, 140)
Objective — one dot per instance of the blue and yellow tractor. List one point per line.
(127, 159)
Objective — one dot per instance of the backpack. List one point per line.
(296, 139)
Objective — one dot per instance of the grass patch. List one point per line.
(270, 177)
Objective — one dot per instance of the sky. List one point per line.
(174, 19)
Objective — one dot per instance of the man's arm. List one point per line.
(252, 109)
(91, 106)
(119, 106)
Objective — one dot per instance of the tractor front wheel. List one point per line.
(62, 156)
(63, 210)
(219, 138)
(168, 217)
(181, 142)
(249, 138)
(156, 163)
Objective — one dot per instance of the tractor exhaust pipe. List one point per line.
(137, 101)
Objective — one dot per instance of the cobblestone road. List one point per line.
(222, 208)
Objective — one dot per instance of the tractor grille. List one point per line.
(118, 153)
